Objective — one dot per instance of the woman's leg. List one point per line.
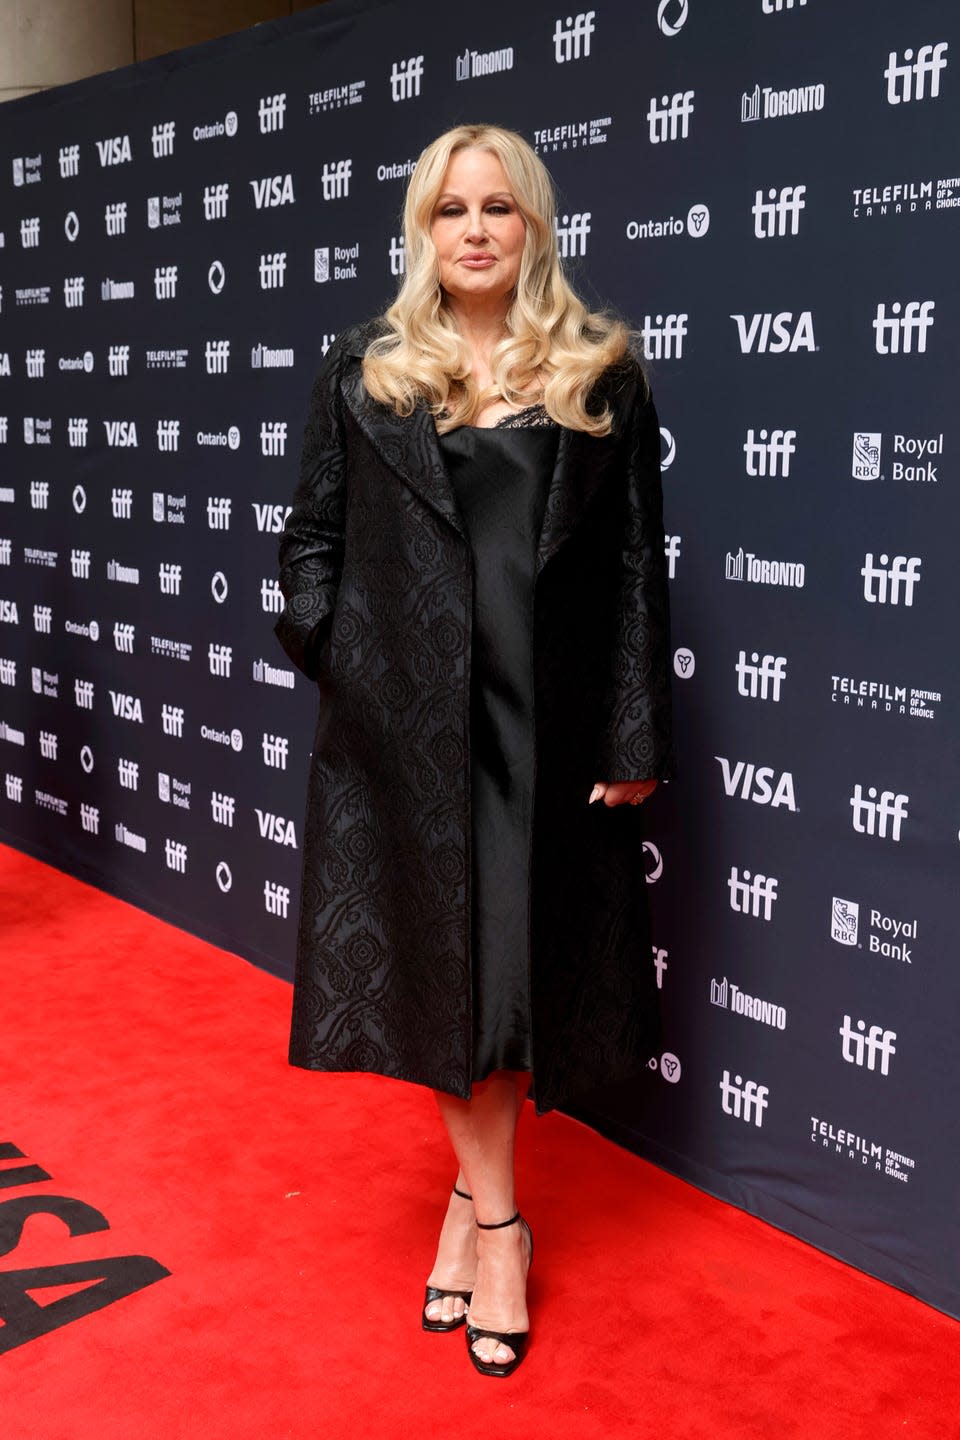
(483, 1131)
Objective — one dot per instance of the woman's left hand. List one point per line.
(634, 792)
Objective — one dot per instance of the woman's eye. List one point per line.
(456, 209)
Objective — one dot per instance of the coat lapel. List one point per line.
(409, 447)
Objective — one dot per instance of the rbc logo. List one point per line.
(844, 921)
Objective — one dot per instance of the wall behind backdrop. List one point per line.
(773, 198)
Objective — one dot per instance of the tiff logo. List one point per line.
(663, 336)
(170, 576)
(218, 512)
(760, 679)
(220, 658)
(171, 718)
(118, 360)
(276, 899)
(671, 549)
(779, 213)
(881, 585)
(168, 435)
(744, 1100)
(894, 334)
(670, 118)
(216, 354)
(275, 750)
(405, 76)
(122, 503)
(271, 111)
(273, 437)
(222, 808)
(572, 42)
(861, 1046)
(128, 773)
(769, 458)
(871, 816)
(572, 232)
(215, 198)
(115, 217)
(752, 895)
(123, 637)
(165, 279)
(162, 137)
(908, 81)
(271, 596)
(273, 270)
(175, 853)
(335, 180)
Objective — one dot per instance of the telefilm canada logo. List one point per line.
(870, 1154)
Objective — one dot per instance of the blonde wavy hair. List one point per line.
(424, 356)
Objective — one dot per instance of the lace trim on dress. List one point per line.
(530, 415)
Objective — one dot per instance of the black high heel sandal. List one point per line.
(432, 1293)
(516, 1339)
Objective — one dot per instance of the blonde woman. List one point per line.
(474, 578)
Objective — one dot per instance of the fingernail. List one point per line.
(595, 794)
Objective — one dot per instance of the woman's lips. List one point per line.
(477, 262)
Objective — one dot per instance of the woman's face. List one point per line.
(477, 216)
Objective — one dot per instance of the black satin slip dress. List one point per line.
(500, 476)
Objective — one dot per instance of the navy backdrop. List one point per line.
(767, 188)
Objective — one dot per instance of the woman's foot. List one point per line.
(455, 1267)
(500, 1289)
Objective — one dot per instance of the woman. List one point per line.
(474, 576)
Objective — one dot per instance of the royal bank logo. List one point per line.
(763, 102)
(913, 464)
(916, 76)
(867, 445)
(571, 38)
(770, 333)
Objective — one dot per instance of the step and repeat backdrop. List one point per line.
(770, 190)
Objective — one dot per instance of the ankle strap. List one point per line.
(499, 1223)
(462, 1192)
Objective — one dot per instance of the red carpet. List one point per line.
(144, 1071)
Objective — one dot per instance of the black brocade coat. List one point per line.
(376, 573)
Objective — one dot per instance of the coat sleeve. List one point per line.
(311, 543)
(636, 741)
